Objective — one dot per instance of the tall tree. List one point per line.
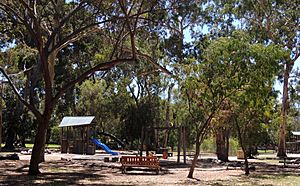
(227, 67)
(275, 22)
(47, 27)
(221, 126)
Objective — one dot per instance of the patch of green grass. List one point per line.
(53, 146)
(265, 151)
(48, 146)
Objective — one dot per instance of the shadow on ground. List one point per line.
(53, 173)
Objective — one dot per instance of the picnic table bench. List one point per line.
(140, 161)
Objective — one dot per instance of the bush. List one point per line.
(55, 135)
(233, 146)
(209, 146)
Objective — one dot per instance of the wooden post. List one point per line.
(61, 139)
(68, 143)
(184, 144)
(83, 141)
(179, 145)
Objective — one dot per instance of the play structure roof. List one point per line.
(296, 133)
(76, 121)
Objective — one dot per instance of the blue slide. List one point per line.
(103, 146)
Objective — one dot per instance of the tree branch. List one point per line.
(130, 30)
(86, 74)
(149, 58)
(29, 106)
(81, 5)
(30, 10)
(9, 11)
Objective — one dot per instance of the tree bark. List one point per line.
(222, 145)
(184, 144)
(39, 144)
(179, 145)
(168, 116)
(195, 159)
(10, 138)
(282, 132)
(1, 124)
(247, 172)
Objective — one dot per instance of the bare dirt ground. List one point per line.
(96, 172)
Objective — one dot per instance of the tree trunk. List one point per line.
(227, 136)
(282, 132)
(179, 145)
(39, 145)
(243, 147)
(10, 138)
(168, 116)
(247, 172)
(142, 141)
(1, 118)
(184, 144)
(194, 162)
(222, 145)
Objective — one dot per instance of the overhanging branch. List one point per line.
(100, 67)
(29, 106)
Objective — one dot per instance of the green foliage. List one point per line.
(55, 135)
(209, 146)
(102, 101)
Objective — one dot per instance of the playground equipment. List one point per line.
(114, 138)
(98, 143)
(75, 135)
(181, 132)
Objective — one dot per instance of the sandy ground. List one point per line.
(68, 169)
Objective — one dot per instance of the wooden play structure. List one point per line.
(181, 133)
(76, 133)
(294, 145)
(139, 161)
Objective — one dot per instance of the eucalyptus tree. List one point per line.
(251, 106)
(17, 120)
(275, 22)
(46, 27)
(180, 23)
(222, 130)
(228, 66)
